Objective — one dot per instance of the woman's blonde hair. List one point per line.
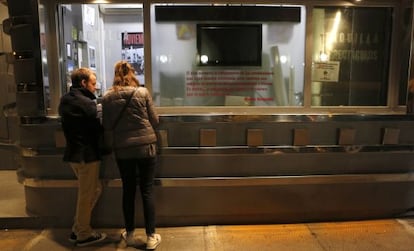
(124, 75)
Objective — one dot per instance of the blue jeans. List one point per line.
(139, 171)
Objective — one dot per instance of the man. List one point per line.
(82, 129)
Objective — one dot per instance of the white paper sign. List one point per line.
(325, 71)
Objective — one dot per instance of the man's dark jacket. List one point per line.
(81, 126)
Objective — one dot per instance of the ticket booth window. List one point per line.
(228, 59)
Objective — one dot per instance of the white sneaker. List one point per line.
(129, 238)
(153, 241)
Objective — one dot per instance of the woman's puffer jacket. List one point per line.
(138, 122)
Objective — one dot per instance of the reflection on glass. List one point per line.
(350, 56)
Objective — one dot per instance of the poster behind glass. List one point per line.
(133, 52)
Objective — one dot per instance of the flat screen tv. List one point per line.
(229, 44)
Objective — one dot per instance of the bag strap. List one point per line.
(123, 109)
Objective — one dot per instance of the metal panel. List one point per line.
(240, 200)
(208, 137)
(232, 182)
(391, 136)
(254, 137)
(346, 136)
(301, 137)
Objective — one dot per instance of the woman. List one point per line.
(129, 112)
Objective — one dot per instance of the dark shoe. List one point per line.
(95, 238)
(73, 237)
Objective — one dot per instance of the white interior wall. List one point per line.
(114, 26)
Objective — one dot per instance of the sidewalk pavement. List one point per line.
(376, 235)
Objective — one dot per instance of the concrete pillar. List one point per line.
(23, 27)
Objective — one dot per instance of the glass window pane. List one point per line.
(405, 47)
(90, 29)
(351, 56)
(234, 63)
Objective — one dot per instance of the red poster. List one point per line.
(133, 50)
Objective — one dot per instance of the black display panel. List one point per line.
(229, 44)
(228, 13)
